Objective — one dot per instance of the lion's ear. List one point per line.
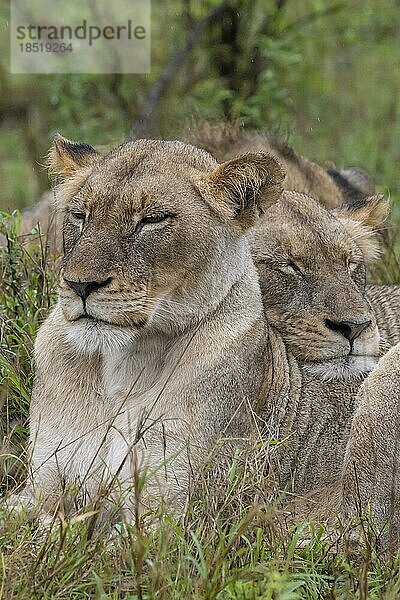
(371, 212)
(66, 157)
(363, 219)
(242, 188)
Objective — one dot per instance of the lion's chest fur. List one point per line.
(139, 378)
(131, 403)
(146, 393)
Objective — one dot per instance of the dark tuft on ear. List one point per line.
(78, 150)
(371, 212)
(363, 219)
(66, 157)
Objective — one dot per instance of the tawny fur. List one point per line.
(184, 354)
(370, 484)
(172, 357)
(226, 141)
(331, 188)
(312, 267)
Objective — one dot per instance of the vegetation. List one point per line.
(324, 74)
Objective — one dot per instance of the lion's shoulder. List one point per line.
(385, 301)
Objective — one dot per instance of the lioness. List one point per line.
(370, 482)
(312, 272)
(312, 267)
(330, 187)
(157, 347)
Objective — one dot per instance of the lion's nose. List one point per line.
(85, 288)
(349, 329)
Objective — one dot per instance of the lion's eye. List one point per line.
(152, 219)
(156, 218)
(351, 265)
(291, 268)
(78, 215)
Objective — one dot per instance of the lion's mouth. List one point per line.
(350, 358)
(346, 358)
(86, 317)
(96, 321)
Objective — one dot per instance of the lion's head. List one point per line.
(312, 267)
(153, 234)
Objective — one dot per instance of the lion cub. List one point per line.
(156, 347)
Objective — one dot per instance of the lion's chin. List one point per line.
(89, 335)
(345, 368)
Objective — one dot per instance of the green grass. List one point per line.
(248, 555)
(241, 547)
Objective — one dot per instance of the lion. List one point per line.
(157, 347)
(312, 265)
(312, 268)
(370, 481)
(332, 187)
